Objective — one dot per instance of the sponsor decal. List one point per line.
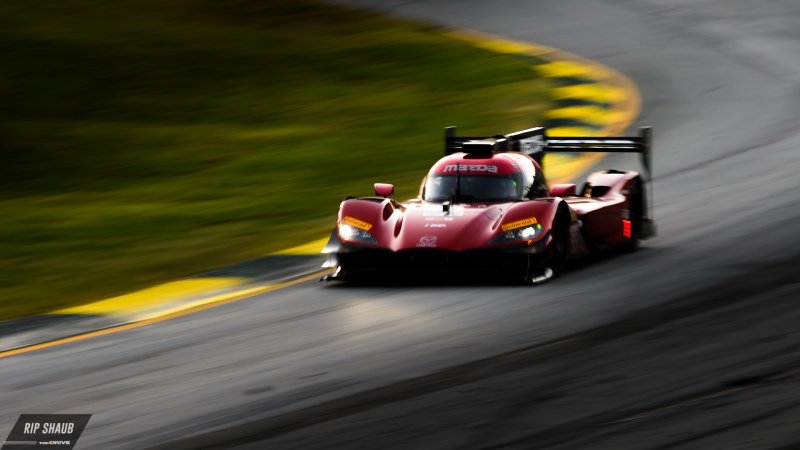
(520, 223)
(435, 225)
(51, 430)
(470, 168)
(439, 219)
(438, 214)
(427, 241)
(531, 145)
(357, 223)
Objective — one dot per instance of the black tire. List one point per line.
(553, 262)
(559, 249)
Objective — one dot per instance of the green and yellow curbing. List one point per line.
(591, 99)
(164, 314)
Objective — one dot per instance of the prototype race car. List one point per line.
(486, 207)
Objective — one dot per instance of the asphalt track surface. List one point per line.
(690, 343)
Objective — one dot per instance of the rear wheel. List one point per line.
(559, 248)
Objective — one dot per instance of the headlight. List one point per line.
(351, 233)
(518, 235)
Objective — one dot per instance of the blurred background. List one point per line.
(144, 141)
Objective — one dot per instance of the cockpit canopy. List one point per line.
(499, 177)
(474, 188)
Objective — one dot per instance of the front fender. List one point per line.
(378, 216)
(543, 210)
(540, 212)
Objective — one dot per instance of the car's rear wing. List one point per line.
(534, 142)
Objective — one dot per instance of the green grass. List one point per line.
(148, 140)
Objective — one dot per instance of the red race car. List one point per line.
(486, 207)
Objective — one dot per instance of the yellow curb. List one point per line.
(592, 92)
(612, 87)
(569, 69)
(496, 43)
(311, 248)
(564, 171)
(206, 301)
(572, 131)
(153, 296)
(587, 114)
(164, 316)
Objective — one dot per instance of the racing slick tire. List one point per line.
(553, 261)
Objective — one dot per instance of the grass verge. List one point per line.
(144, 140)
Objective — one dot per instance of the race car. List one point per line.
(486, 207)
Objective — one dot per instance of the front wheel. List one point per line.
(553, 261)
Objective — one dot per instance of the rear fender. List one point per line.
(609, 183)
(607, 224)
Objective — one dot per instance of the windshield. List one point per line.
(473, 188)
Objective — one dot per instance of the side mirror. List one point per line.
(384, 189)
(563, 190)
